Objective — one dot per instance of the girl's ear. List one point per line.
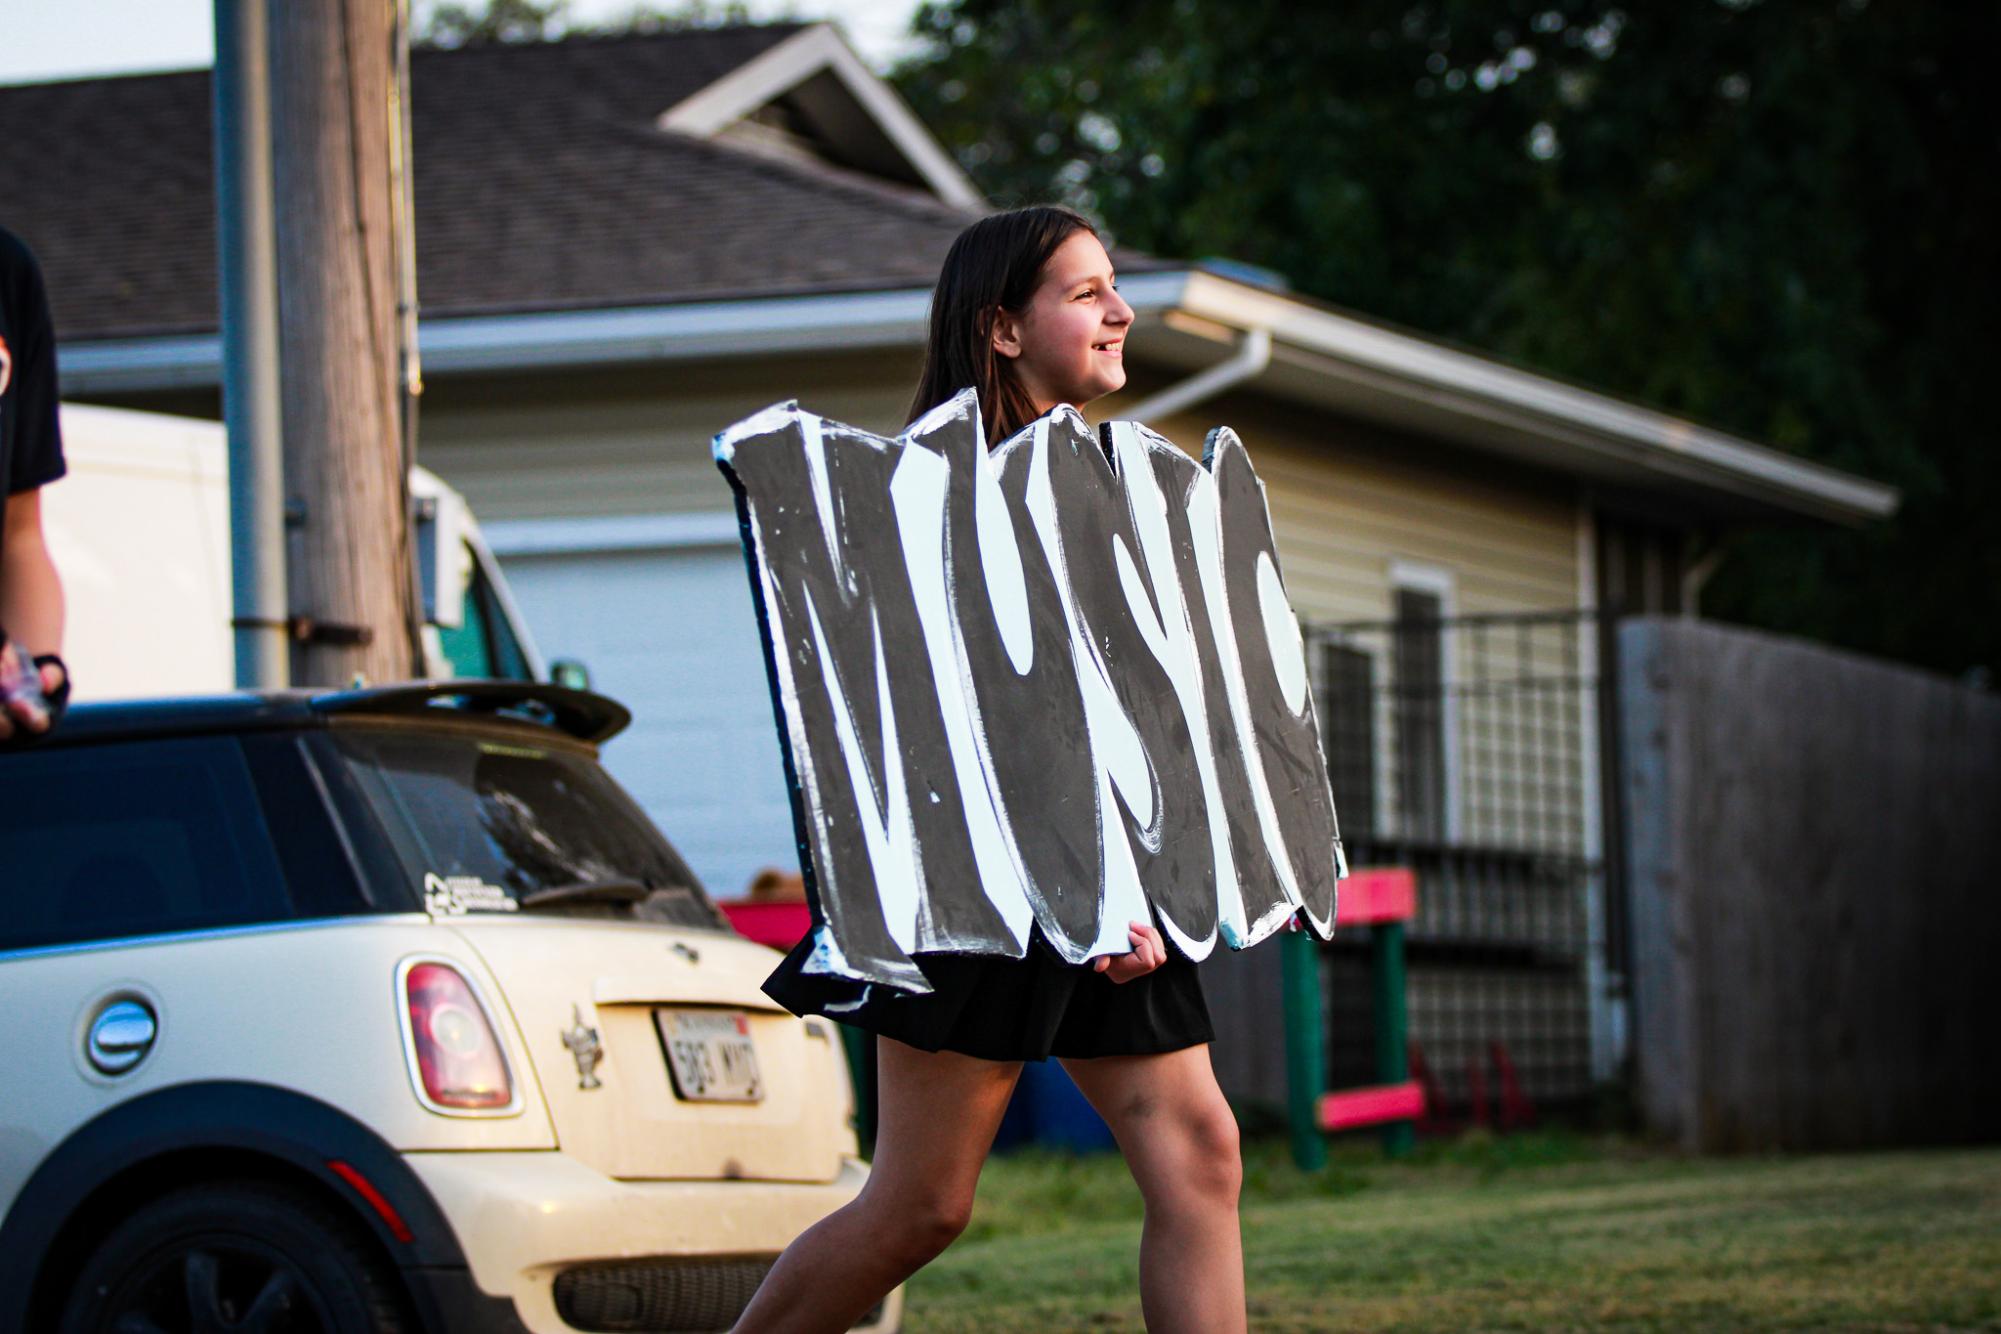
(1006, 334)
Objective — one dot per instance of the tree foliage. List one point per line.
(456, 23)
(447, 23)
(1775, 216)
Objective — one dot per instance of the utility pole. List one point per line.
(349, 573)
(248, 278)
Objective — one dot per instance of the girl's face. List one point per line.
(1067, 344)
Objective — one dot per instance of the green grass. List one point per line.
(1527, 1232)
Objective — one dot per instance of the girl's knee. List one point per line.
(1196, 1161)
(1215, 1147)
(1214, 1130)
(916, 1228)
(930, 1229)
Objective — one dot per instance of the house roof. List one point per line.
(543, 180)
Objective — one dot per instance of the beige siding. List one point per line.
(1347, 500)
(569, 444)
(1350, 501)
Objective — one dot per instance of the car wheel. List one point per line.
(237, 1256)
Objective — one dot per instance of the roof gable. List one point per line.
(827, 98)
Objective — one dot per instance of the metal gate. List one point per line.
(1469, 748)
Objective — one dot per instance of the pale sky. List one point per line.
(69, 39)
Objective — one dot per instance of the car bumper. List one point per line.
(524, 1218)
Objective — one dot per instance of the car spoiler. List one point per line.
(579, 713)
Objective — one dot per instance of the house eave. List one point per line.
(517, 341)
(1332, 359)
(681, 331)
(1489, 405)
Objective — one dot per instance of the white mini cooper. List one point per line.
(383, 1010)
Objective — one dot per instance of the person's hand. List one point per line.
(21, 713)
(1148, 953)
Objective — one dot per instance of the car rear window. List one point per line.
(482, 825)
(101, 842)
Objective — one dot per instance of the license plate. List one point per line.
(711, 1055)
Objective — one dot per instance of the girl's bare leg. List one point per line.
(936, 1115)
(1179, 1138)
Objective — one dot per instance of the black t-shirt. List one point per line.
(31, 446)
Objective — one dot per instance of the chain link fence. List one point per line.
(1468, 748)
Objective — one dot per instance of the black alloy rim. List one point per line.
(217, 1285)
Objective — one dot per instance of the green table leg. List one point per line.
(1305, 1048)
(1392, 1025)
(860, 1047)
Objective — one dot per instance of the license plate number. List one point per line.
(710, 1055)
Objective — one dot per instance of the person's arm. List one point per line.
(31, 596)
(31, 593)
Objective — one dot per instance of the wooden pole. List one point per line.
(346, 486)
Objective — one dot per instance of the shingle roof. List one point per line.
(541, 183)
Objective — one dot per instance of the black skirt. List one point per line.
(1003, 1009)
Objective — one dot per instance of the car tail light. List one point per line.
(455, 1057)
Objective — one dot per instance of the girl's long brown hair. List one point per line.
(994, 265)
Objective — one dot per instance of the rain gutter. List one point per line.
(1248, 362)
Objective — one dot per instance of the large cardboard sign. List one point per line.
(1055, 685)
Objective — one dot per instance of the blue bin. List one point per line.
(1049, 1110)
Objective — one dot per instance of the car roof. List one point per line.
(580, 714)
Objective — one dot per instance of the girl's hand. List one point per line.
(1148, 953)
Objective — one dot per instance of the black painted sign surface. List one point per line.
(1057, 685)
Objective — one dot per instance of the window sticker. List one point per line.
(456, 895)
(518, 752)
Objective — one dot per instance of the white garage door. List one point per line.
(668, 631)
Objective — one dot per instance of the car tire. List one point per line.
(236, 1256)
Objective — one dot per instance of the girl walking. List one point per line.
(1025, 311)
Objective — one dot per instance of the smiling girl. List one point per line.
(1027, 312)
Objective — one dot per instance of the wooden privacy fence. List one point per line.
(1816, 935)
